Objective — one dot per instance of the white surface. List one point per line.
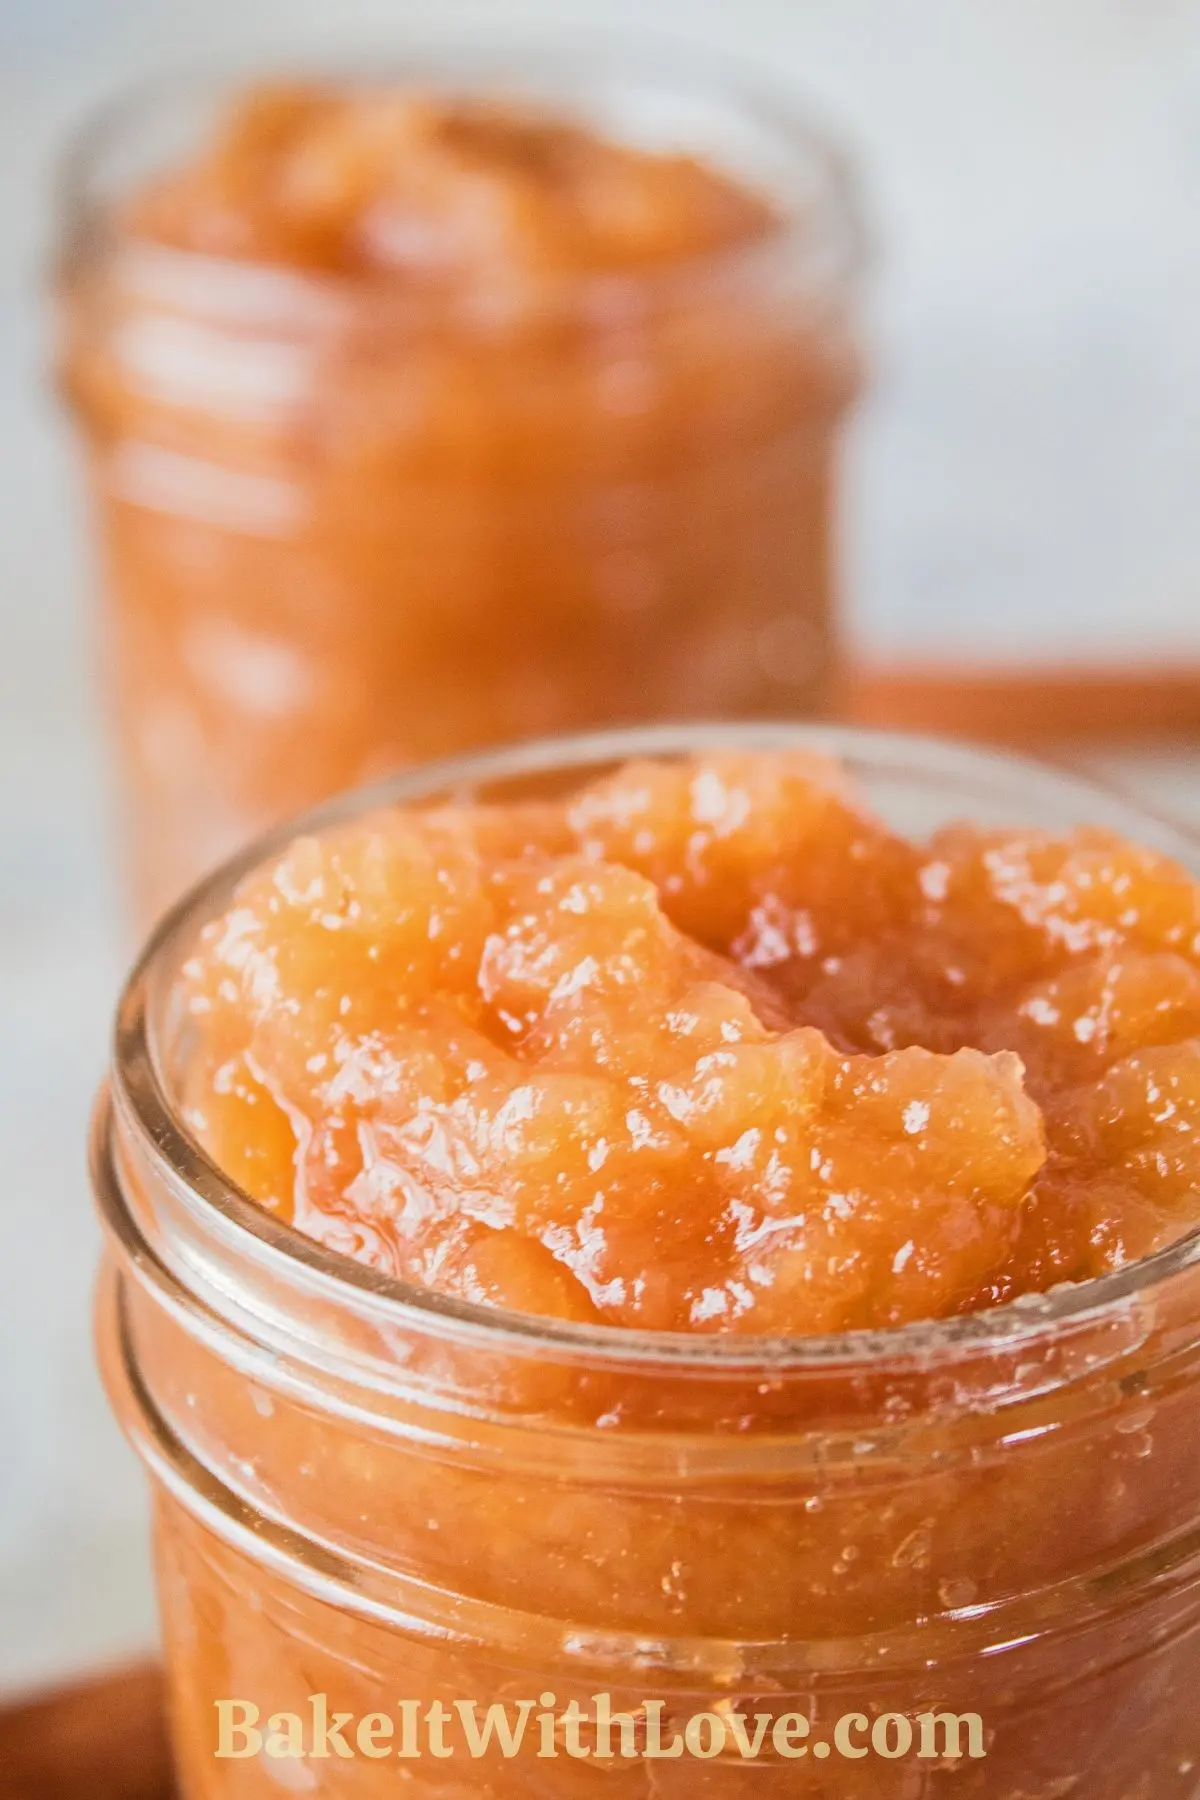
(1025, 483)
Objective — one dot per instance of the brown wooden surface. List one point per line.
(1020, 707)
(103, 1739)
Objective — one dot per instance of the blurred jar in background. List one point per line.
(495, 398)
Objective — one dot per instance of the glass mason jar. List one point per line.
(377, 1499)
(346, 524)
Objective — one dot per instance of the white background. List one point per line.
(1024, 484)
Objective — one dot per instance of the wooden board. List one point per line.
(1021, 708)
(103, 1739)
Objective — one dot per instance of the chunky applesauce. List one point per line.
(676, 1233)
(706, 1048)
(420, 419)
(496, 201)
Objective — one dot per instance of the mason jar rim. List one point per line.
(834, 229)
(143, 1097)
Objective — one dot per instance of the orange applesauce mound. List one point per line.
(706, 1048)
(380, 179)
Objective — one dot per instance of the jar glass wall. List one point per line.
(346, 522)
(374, 1493)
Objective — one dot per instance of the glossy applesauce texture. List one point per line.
(705, 1047)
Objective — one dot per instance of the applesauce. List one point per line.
(498, 398)
(390, 1466)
